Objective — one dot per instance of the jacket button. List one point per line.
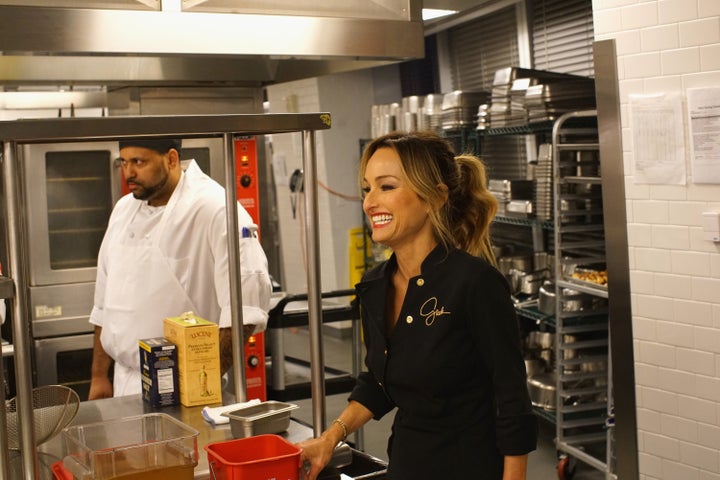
(409, 319)
(385, 352)
(420, 282)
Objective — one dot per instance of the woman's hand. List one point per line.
(316, 454)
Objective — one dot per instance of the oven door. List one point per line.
(70, 189)
(65, 361)
(59, 310)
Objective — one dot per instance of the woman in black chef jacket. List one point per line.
(443, 344)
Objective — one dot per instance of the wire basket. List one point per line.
(54, 407)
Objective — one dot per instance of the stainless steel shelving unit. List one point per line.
(57, 130)
(584, 410)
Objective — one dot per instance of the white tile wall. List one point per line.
(671, 236)
(706, 289)
(661, 37)
(707, 339)
(715, 265)
(703, 31)
(676, 334)
(705, 475)
(708, 388)
(682, 60)
(703, 411)
(650, 211)
(656, 354)
(669, 83)
(640, 15)
(651, 465)
(709, 435)
(653, 260)
(649, 420)
(642, 65)
(671, 11)
(702, 457)
(628, 42)
(678, 427)
(679, 470)
(693, 313)
(690, 263)
(646, 374)
(708, 8)
(662, 445)
(710, 56)
(640, 235)
(667, 192)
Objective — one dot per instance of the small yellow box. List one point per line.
(198, 351)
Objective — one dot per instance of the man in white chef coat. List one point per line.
(165, 253)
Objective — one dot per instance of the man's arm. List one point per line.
(100, 384)
(226, 343)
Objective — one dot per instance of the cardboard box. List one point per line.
(159, 369)
(198, 349)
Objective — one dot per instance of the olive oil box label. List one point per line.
(159, 371)
(198, 349)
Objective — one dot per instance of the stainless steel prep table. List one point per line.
(119, 407)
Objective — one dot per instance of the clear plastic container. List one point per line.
(151, 446)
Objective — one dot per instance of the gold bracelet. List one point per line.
(343, 426)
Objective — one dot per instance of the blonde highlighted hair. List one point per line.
(455, 186)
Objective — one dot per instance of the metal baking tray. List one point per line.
(263, 418)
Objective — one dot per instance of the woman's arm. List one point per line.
(515, 467)
(317, 452)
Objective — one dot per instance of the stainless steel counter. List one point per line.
(114, 408)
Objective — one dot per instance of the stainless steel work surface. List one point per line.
(119, 407)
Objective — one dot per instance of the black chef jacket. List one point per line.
(453, 366)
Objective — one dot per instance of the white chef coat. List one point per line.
(191, 234)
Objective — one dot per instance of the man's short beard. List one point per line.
(148, 193)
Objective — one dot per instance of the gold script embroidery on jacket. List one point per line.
(430, 312)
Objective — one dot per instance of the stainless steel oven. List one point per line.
(66, 361)
(69, 190)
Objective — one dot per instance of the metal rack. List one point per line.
(584, 410)
(15, 133)
(583, 414)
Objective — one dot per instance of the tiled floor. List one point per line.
(337, 355)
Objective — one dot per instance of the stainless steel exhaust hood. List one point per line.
(51, 45)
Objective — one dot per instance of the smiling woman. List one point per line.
(442, 339)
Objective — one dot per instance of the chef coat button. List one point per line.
(132, 235)
(385, 351)
(409, 319)
(420, 282)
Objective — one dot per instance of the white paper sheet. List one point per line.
(704, 122)
(658, 139)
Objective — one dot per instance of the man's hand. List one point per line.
(100, 384)
(226, 338)
(100, 387)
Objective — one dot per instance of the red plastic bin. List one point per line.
(262, 457)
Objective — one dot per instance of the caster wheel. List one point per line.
(565, 467)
